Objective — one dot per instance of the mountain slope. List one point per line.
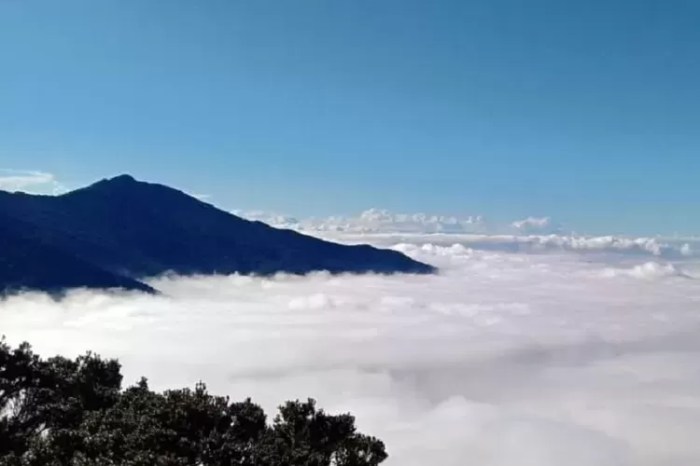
(29, 264)
(135, 229)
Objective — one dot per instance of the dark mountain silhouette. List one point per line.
(117, 231)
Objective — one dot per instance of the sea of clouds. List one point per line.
(583, 352)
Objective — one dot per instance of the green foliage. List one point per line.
(73, 412)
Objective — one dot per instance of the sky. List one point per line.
(585, 112)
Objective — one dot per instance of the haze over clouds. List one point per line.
(374, 221)
(669, 248)
(532, 234)
(504, 359)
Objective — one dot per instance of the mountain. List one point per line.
(118, 231)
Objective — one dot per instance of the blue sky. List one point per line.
(588, 112)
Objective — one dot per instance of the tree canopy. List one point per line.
(61, 411)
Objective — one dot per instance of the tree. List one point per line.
(73, 412)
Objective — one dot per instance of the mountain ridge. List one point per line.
(132, 230)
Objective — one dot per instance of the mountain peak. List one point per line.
(124, 178)
(117, 184)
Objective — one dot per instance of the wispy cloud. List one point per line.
(30, 181)
(201, 196)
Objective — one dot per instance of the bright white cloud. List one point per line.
(503, 359)
(648, 270)
(33, 182)
(535, 225)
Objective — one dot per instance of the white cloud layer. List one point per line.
(33, 182)
(503, 359)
